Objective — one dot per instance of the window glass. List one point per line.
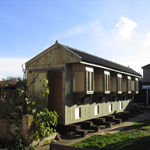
(119, 83)
(89, 80)
(129, 84)
(78, 113)
(136, 85)
(96, 109)
(121, 105)
(107, 82)
(110, 107)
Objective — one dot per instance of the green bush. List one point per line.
(43, 122)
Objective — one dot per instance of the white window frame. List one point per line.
(110, 107)
(89, 80)
(129, 84)
(107, 82)
(96, 110)
(136, 85)
(121, 105)
(78, 113)
(119, 83)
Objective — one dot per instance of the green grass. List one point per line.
(142, 123)
(132, 138)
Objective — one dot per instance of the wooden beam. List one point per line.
(45, 69)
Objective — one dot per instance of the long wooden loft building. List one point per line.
(82, 86)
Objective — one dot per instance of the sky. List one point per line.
(117, 30)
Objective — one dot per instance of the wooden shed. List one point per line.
(82, 86)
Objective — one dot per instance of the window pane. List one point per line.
(78, 113)
(129, 84)
(132, 86)
(110, 107)
(96, 109)
(92, 82)
(119, 84)
(89, 81)
(107, 82)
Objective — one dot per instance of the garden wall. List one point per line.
(9, 127)
(4, 110)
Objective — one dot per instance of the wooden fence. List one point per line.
(143, 97)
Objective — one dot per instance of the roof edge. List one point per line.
(70, 50)
(111, 69)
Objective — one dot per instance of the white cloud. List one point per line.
(11, 66)
(148, 34)
(78, 29)
(17, 37)
(146, 43)
(126, 27)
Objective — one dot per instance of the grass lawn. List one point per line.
(135, 137)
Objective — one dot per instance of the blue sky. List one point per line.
(117, 30)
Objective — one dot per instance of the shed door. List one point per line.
(55, 95)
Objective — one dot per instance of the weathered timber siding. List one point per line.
(87, 108)
(58, 56)
(54, 57)
(69, 100)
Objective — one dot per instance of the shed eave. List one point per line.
(146, 66)
(103, 67)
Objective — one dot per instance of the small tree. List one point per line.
(44, 120)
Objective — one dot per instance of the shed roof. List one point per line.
(146, 66)
(100, 61)
(11, 84)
